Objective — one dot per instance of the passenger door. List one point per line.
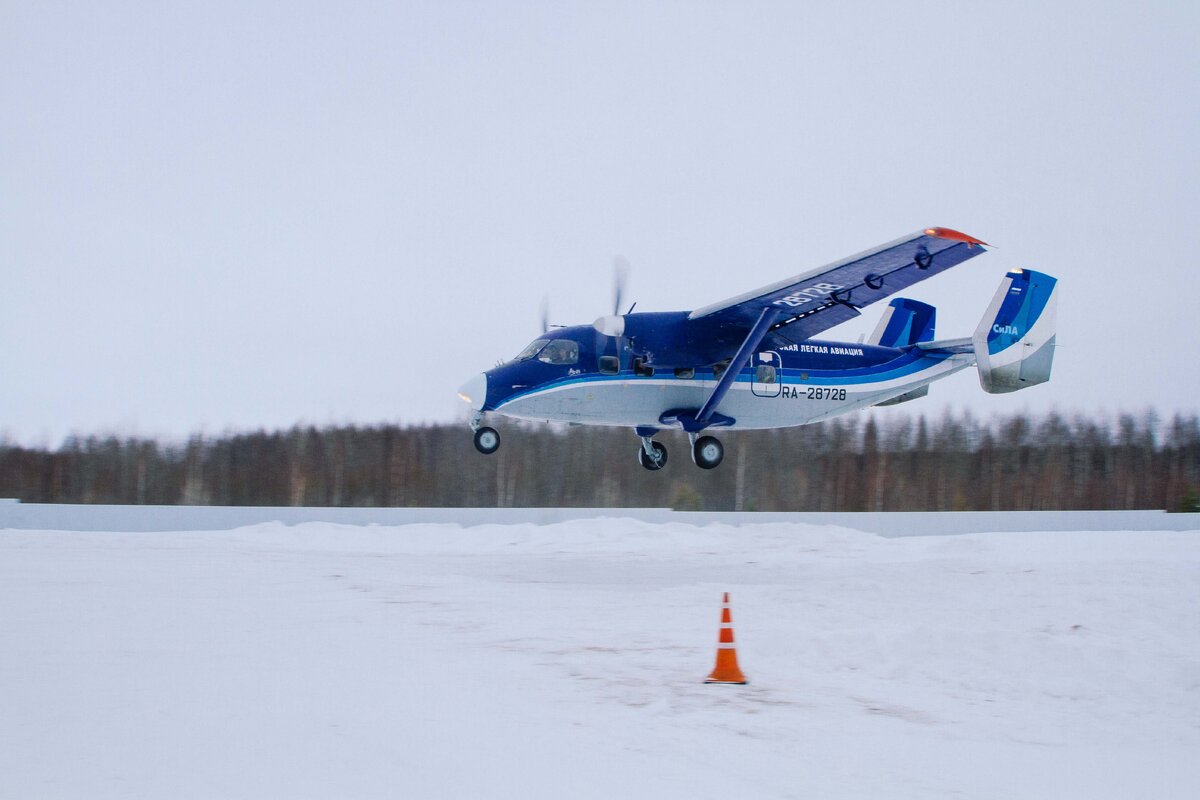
(768, 374)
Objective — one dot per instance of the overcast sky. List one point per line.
(223, 216)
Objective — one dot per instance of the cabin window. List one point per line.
(765, 374)
(719, 370)
(685, 373)
(532, 349)
(610, 365)
(641, 368)
(560, 352)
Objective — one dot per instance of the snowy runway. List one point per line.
(567, 660)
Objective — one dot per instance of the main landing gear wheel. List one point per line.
(707, 452)
(487, 441)
(656, 461)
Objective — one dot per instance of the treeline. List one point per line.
(853, 463)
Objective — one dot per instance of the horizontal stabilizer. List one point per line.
(965, 345)
(915, 394)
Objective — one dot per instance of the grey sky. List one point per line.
(217, 216)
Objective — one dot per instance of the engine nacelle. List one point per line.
(669, 339)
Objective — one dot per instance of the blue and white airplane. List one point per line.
(751, 362)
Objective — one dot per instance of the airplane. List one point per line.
(750, 362)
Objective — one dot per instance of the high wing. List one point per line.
(824, 297)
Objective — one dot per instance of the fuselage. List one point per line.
(578, 375)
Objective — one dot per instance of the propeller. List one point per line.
(620, 277)
(614, 324)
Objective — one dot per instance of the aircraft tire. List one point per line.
(647, 462)
(707, 452)
(487, 441)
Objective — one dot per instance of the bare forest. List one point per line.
(854, 463)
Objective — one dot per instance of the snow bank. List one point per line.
(80, 517)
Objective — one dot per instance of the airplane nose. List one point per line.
(474, 391)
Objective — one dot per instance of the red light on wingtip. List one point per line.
(953, 235)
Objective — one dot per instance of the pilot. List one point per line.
(557, 352)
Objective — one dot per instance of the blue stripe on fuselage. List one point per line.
(905, 361)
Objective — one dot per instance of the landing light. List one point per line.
(476, 387)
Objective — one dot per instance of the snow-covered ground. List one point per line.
(568, 660)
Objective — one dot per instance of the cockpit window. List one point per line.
(560, 352)
(532, 349)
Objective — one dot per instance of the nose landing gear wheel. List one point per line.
(487, 441)
(655, 462)
(707, 452)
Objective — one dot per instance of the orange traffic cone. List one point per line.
(726, 670)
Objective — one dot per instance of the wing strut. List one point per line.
(702, 418)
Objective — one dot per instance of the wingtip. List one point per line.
(955, 236)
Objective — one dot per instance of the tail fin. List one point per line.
(1014, 344)
(905, 322)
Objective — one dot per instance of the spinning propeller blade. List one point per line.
(614, 324)
(620, 275)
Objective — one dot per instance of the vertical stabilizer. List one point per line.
(1014, 344)
(904, 323)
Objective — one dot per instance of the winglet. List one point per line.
(955, 236)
